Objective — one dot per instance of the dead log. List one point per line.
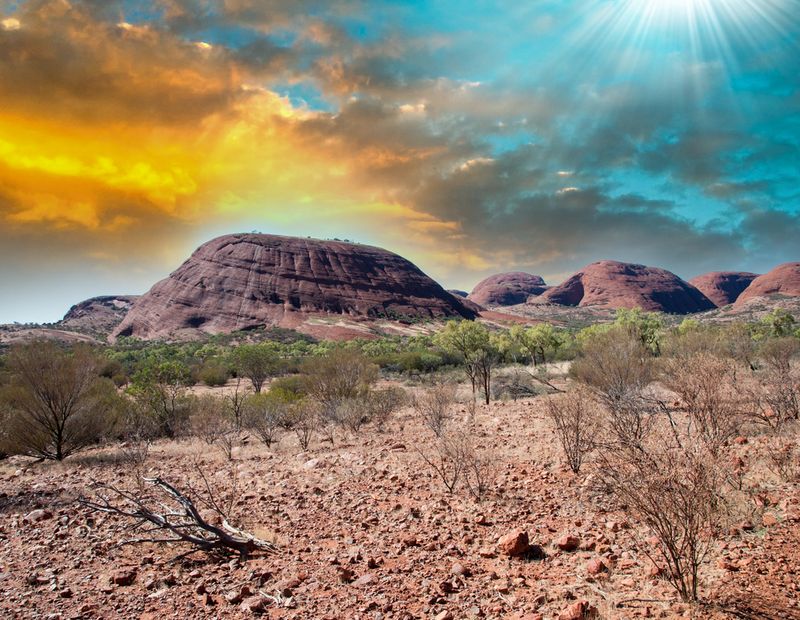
(169, 516)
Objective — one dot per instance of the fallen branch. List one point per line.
(175, 518)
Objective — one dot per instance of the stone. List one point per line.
(123, 576)
(595, 566)
(514, 543)
(568, 543)
(35, 516)
(254, 604)
(579, 610)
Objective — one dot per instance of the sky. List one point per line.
(471, 137)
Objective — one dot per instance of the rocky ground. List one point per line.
(365, 531)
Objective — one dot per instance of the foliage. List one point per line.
(257, 362)
(478, 349)
(56, 404)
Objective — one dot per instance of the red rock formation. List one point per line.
(783, 280)
(245, 281)
(723, 287)
(507, 289)
(99, 314)
(613, 284)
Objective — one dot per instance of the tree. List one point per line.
(57, 404)
(257, 362)
(340, 375)
(648, 327)
(476, 348)
(160, 388)
(779, 323)
(536, 342)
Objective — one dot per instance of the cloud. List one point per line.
(469, 149)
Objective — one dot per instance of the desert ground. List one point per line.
(365, 530)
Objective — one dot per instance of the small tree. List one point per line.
(340, 375)
(647, 327)
(675, 491)
(435, 406)
(235, 401)
(536, 342)
(212, 422)
(266, 415)
(160, 387)
(576, 422)
(56, 402)
(478, 351)
(257, 362)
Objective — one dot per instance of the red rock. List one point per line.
(460, 570)
(595, 566)
(578, 611)
(507, 289)
(123, 576)
(782, 280)
(740, 440)
(723, 287)
(514, 543)
(40, 514)
(254, 604)
(613, 284)
(768, 520)
(98, 314)
(243, 281)
(568, 543)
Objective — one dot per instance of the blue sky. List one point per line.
(471, 137)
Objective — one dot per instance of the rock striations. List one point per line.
(723, 287)
(782, 280)
(613, 284)
(245, 281)
(507, 289)
(98, 314)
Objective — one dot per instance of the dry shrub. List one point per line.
(434, 406)
(384, 403)
(455, 460)
(783, 454)
(340, 375)
(137, 430)
(265, 415)
(707, 388)
(780, 379)
(617, 369)
(576, 419)
(676, 492)
(303, 419)
(212, 422)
